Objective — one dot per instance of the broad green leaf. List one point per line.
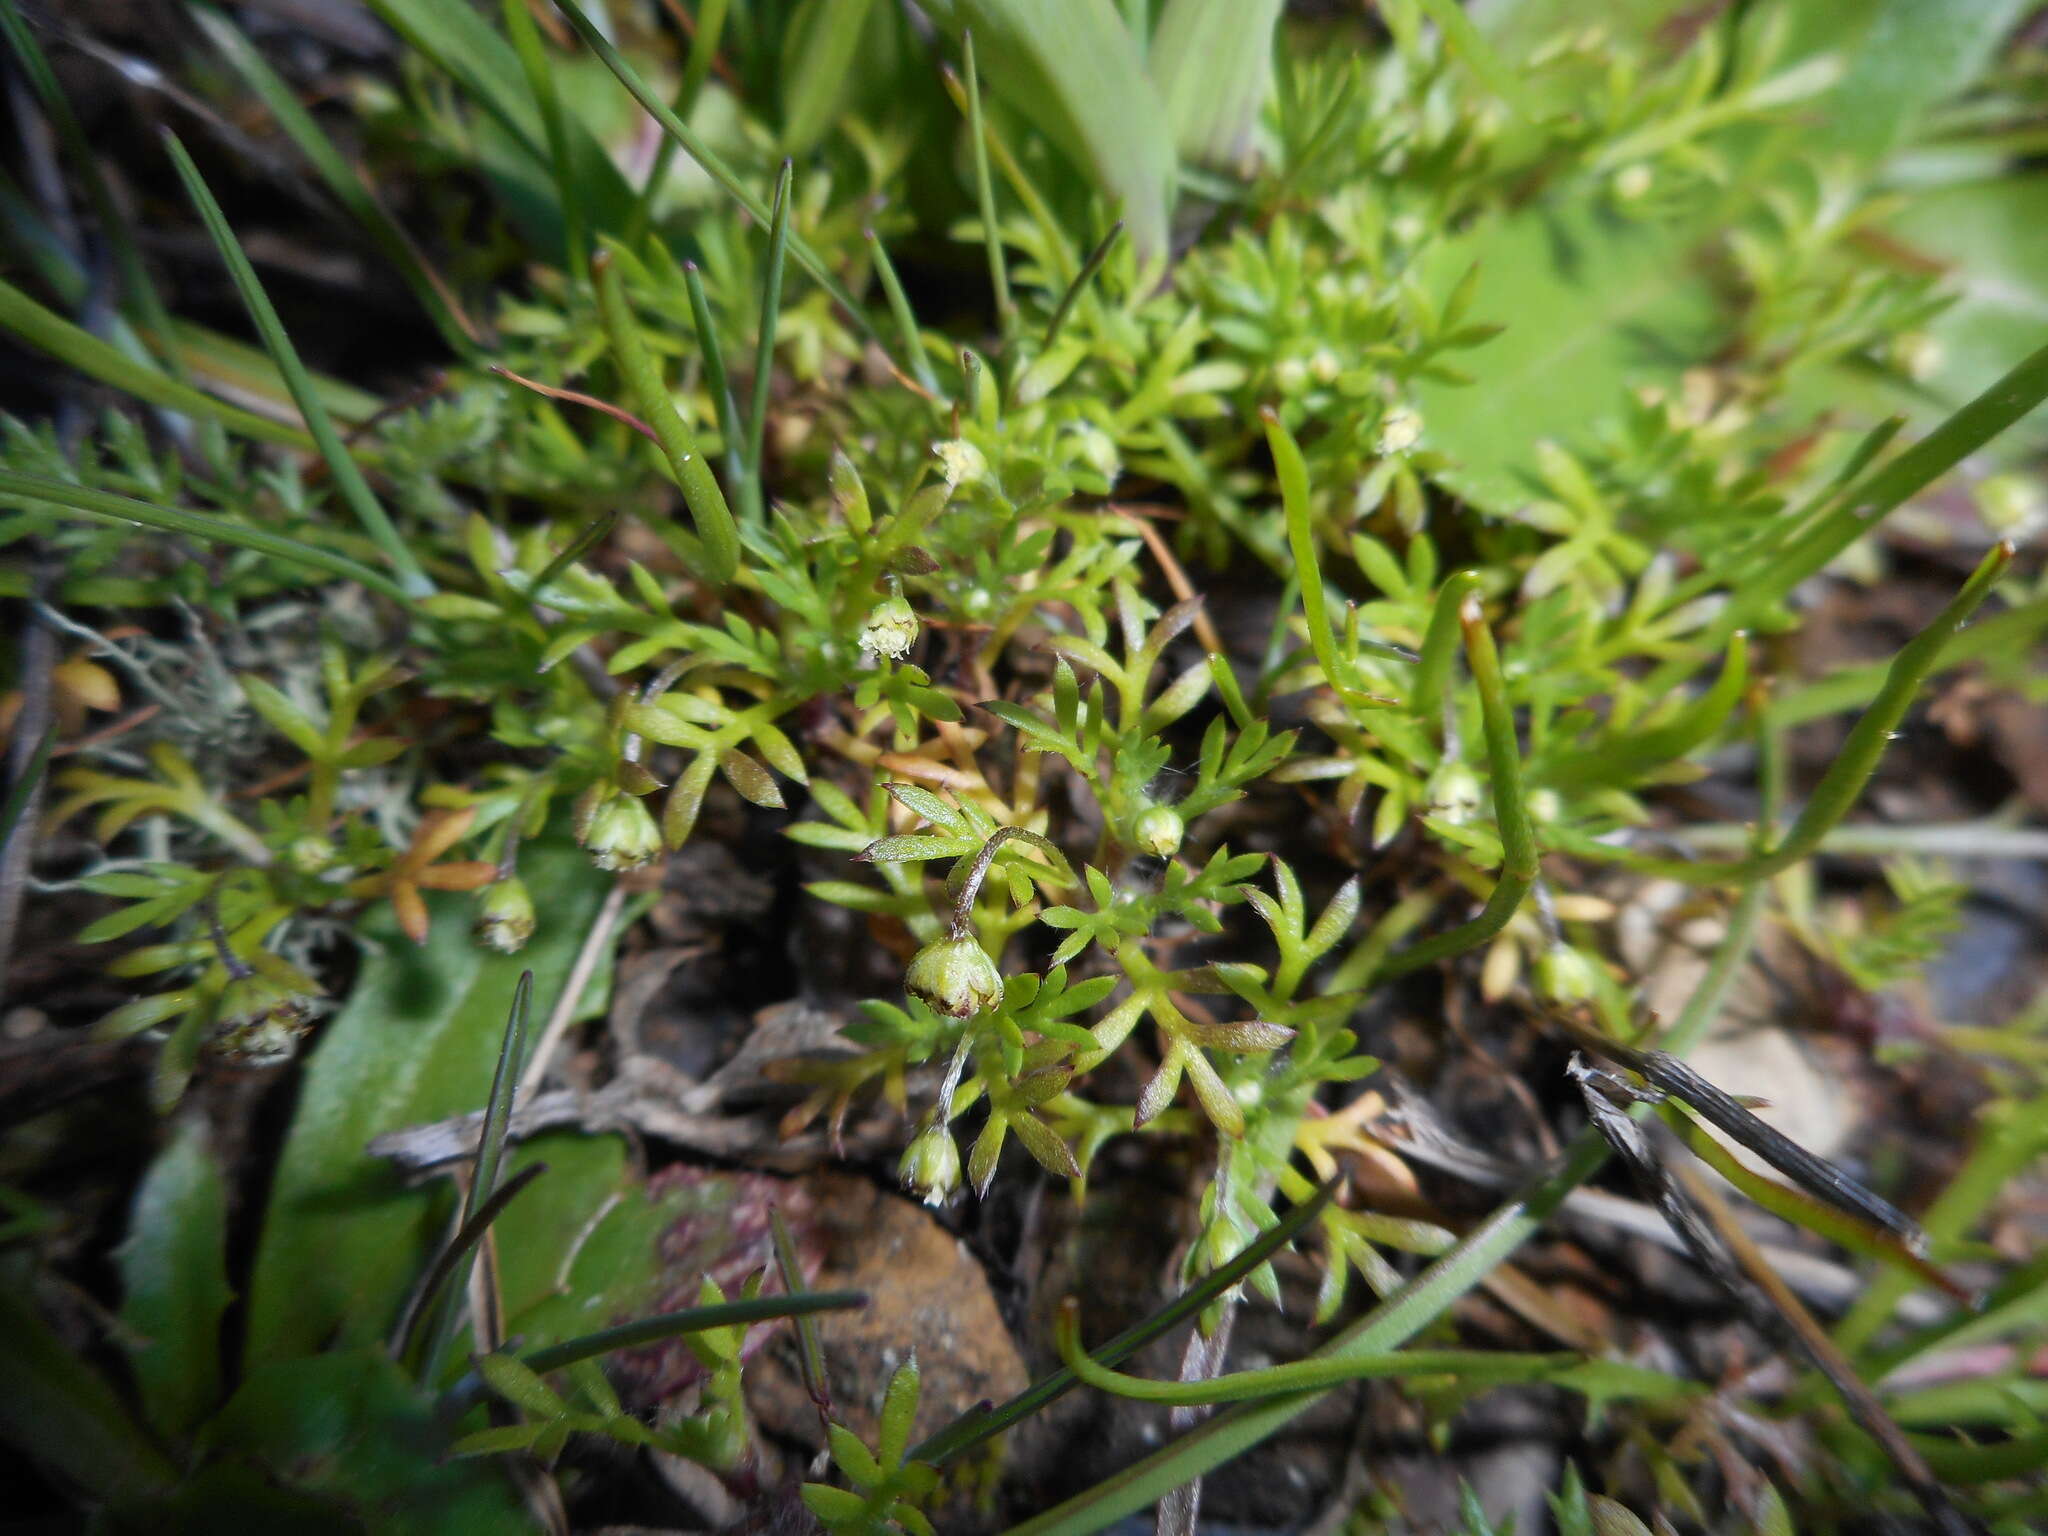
(343, 1237)
(174, 1281)
(348, 1427)
(1910, 55)
(561, 1275)
(62, 1412)
(1990, 236)
(1592, 305)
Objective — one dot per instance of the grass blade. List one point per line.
(457, 40)
(984, 189)
(669, 1325)
(708, 509)
(1519, 866)
(1074, 70)
(716, 379)
(1089, 268)
(355, 490)
(906, 321)
(1213, 60)
(126, 511)
(540, 80)
(1838, 789)
(753, 499)
(714, 166)
(483, 1183)
(37, 326)
(146, 305)
(972, 1428)
(341, 179)
(703, 51)
(460, 1247)
(810, 1352)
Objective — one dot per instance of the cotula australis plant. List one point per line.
(1342, 335)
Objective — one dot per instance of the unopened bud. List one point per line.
(309, 854)
(1159, 830)
(622, 834)
(954, 976)
(1454, 793)
(259, 1022)
(504, 916)
(1563, 975)
(1400, 430)
(960, 462)
(931, 1165)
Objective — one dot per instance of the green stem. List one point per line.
(1853, 765)
(1474, 1366)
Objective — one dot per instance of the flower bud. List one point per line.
(954, 976)
(2012, 505)
(1563, 975)
(259, 1023)
(1159, 830)
(622, 834)
(960, 462)
(931, 1165)
(309, 854)
(504, 916)
(1291, 375)
(890, 628)
(1454, 793)
(1400, 430)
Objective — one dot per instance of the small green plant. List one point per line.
(1390, 466)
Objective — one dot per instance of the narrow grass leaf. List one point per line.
(753, 498)
(984, 188)
(342, 180)
(713, 164)
(708, 509)
(47, 332)
(483, 1182)
(355, 490)
(710, 30)
(145, 304)
(716, 380)
(906, 320)
(1213, 63)
(122, 511)
(541, 81)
